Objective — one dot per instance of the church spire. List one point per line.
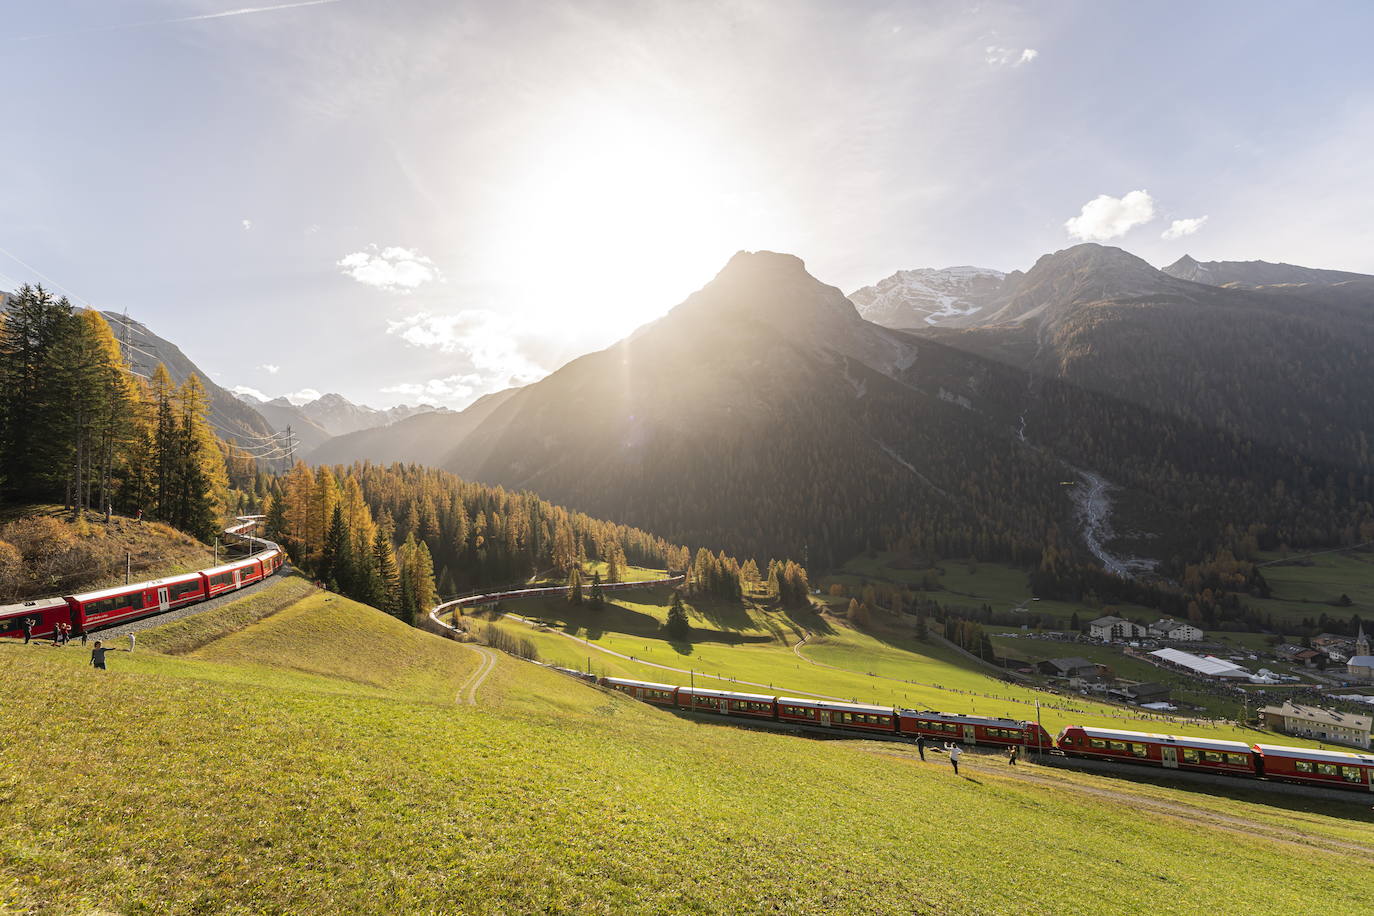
(1361, 642)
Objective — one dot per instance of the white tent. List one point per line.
(1209, 665)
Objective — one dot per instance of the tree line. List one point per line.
(78, 427)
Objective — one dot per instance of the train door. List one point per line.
(969, 736)
(1170, 757)
(162, 602)
(238, 578)
(825, 717)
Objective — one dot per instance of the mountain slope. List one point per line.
(424, 438)
(764, 415)
(230, 417)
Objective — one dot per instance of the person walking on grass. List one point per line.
(1012, 754)
(955, 752)
(27, 624)
(921, 746)
(98, 656)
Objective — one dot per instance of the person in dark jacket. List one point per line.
(98, 656)
(27, 624)
(1013, 754)
(921, 746)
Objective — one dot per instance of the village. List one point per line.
(1310, 690)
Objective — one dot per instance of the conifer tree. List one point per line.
(678, 626)
(335, 568)
(575, 585)
(598, 595)
(385, 590)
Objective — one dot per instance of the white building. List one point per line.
(1320, 723)
(1110, 628)
(1176, 630)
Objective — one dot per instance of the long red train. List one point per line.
(92, 611)
(1333, 769)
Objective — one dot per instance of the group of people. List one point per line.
(62, 634)
(955, 752)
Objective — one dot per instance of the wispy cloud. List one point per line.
(1181, 227)
(490, 347)
(1105, 217)
(396, 270)
(226, 14)
(304, 396)
(454, 390)
(247, 224)
(269, 368)
(1009, 57)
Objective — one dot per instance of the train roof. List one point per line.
(956, 717)
(135, 587)
(32, 607)
(629, 683)
(1307, 753)
(830, 704)
(729, 695)
(1207, 744)
(230, 567)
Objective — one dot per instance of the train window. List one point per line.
(182, 589)
(1140, 750)
(1189, 755)
(1097, 742)
(1239, 760)
(1352, 774)
(1302, 766)
(1326, 769)
(1212, 756)
(1117, 745)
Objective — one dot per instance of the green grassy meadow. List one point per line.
(316, 760)
(747, 642)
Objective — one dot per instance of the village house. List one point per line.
(1320, 723)
(1067, 667)
(1176, 630)
(1111, 628)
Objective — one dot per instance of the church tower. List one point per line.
(1361, 642)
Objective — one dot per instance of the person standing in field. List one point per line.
(132, 640)
(98, 656)
(921, 746)
(27, 624)
(1014, 753)
(955, 752)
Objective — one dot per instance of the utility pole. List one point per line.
(216, 550)
(128, 566)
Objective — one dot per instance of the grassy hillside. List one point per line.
(736, 643)
(317, 761)
(54, 555)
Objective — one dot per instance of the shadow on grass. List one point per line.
(809, 619)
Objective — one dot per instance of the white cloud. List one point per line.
(242, 390)
(1181, 227)
(1009, 57)
(247, 224)
(1106, 217)
(440, 392)
(269, 368)
(396, 270)
(304, 396)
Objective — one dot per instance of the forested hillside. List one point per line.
(343, 524)
(79, 428)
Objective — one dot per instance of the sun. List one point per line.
(618, 219)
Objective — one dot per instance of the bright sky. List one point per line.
(406, 199)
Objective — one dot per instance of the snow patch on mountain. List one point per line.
(910, 298)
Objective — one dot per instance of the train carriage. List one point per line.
(726, 703)
(848, 716)
(46, 614)
(1175, 752)
(1337, 769)
(658, 694)
(229, 576)
(107, 607)
(973, 729)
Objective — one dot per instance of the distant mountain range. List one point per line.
(316, 422)
(766, 415)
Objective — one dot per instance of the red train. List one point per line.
(93, 611)
(1337, 769)
(845, 717)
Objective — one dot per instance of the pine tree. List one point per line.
(384, 593)
(335, 568)
(678, 626)
(575, 585)
(598, 596)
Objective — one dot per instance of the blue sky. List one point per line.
(430, 200)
